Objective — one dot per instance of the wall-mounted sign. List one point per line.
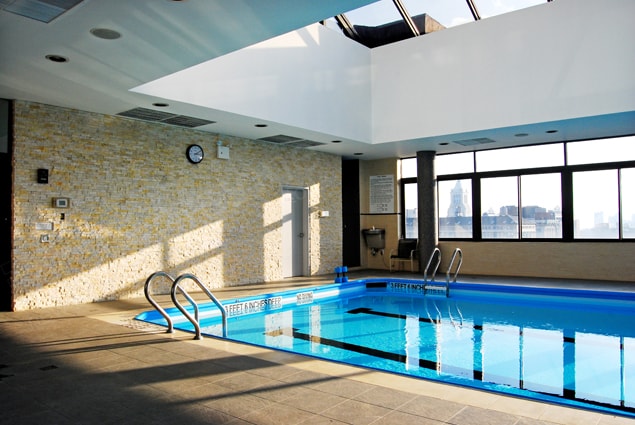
(382, 194)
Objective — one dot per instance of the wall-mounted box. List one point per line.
(61, 202)
(223, 152)
(42, 175)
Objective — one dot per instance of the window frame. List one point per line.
(566, 178)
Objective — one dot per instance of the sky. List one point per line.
(447, 12)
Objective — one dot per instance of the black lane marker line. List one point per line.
(363, 310)
(426, 364)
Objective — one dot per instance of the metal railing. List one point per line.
(147, 292)
(176, 287)
(458, 252)
(436, 251)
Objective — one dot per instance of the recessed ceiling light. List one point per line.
(161, 104)
(105, 33)
(261, 125)
(551, 131)
(521, 134)
(57, 58)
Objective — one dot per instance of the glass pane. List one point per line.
(601, 150)
(595, 204)
(456, 163)
(627, 185)
(408, 168)
(375, 14)
(455, 208)
(541, 201)
(447, 13)
(521, 157)
(410, 199)
(499, 203)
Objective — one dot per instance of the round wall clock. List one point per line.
(194, 154)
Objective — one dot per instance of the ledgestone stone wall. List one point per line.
(137, 206)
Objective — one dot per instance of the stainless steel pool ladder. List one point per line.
(459, 253)
(176, 286)
(147, 292)
(436, 251)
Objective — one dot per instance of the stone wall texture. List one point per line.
(137, 206)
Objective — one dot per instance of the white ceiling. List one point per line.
(161, 37)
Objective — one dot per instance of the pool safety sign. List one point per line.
(302, 298)
(382, 194)
(408, 287)
(240, 308)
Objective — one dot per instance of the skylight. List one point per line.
(381, 22)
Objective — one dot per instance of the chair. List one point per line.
(406, 251)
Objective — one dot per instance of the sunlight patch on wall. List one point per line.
(113, 278)
(196, 245)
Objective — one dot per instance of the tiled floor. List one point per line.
(93, 364)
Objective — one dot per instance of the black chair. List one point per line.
(406, 251)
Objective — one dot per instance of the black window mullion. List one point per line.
(477, 230)
(567, 205)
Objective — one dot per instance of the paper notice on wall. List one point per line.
(382, 194)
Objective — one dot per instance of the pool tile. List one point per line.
(432, 408)
(385, 397)
(277, 414)
(313, 401)
(356, 412)
(476, 416)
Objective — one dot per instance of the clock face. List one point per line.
(194, 154)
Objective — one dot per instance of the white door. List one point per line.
(294, 238)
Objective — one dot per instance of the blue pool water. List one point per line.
(571, 347)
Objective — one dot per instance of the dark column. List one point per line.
(427, 206)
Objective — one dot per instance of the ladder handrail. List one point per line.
(458, 252)
(436, 267)
(146, 291)
(195, 320)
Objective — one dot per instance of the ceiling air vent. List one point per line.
(304, 144)
(184, 121)
(164, 117)
(472, 142)
(280, 138)
(295, 142)
(40, 10)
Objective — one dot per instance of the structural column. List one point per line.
(427, 206)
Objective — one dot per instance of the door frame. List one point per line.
(305, 224)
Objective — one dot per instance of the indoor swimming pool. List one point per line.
(572, 347)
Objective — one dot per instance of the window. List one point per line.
(411, 226)
(601, 151)
(408, 168)
(456, 163)
(532, 192)
(627, 193)
(520, 158)
(541, 202)
(595, 204)
(499, 203)
(455, 208)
